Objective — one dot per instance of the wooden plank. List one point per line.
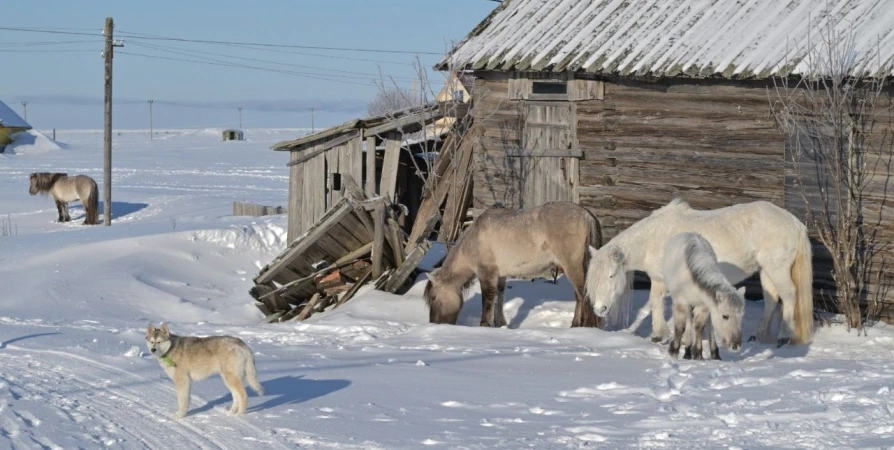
(318, 230)
(370, 181)
(392, 234)
(400, 275)
(308, 307)
(407, 124)
(545, 153)
(296, 199)
(379, 240)
(305, 156)
(388, 183)
(355, 288)
(356, 254)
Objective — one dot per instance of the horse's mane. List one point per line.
(702, 263)
(678, 202)
(44, 181)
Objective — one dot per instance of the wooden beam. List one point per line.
(370, 166)
(379, 241)
(356, 287)
(387, 187)
(308, 141)
(356, 254)
(545, 153)
(324, 146)
(399, 276)
(393, 236)
(406, 124)
(459, 188)
(309, 307)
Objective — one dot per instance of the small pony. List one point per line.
(701, 295)
(68, 189)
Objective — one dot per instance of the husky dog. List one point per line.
(186, 358)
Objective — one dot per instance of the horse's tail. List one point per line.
(92, 205)
(595, 238)
(802, 277)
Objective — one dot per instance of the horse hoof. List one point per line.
(783, 341)
(752, 338)
(657, 339)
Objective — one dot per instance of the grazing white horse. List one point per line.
(747, 238)
(701, 295)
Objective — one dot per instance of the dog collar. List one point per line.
(168, 360)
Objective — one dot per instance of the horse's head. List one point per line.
(607, 283)
(34, 189)
(443, 297)
(727, 318)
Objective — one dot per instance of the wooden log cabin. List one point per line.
(621, 105)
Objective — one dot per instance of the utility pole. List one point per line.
(150, 120)
(240, 117)
(25, 108)
(107, 129)
(313, 128)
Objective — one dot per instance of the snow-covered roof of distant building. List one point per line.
(744, 39)
(9, 118)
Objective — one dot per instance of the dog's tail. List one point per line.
(251, 375)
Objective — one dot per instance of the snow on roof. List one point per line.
(9, 118)
(696, 38)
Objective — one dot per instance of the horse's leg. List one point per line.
(660, 332)
(681, 312)
(698, 327)
(584, 316)
(65, 209)
(59, 204)
(489, 287)
(499, 318)
(712, 341)
(782, 280)
(771, 304)
(688, 334)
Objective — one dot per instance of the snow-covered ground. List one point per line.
(75, 302)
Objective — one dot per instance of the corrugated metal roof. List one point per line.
(9, 118)
(697, 38)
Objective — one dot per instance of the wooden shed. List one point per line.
(620, 106)
(380, 151)
(10, 123)
(232, 135)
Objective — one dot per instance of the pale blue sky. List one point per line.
(63, 80)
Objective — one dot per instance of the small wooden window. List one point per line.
(549, 87)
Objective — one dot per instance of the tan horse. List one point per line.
(506, 243)
(66, 189)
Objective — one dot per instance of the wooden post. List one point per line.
(379, 239)
(390, 165)
(54, 134)
(107, 138)
(371, 166)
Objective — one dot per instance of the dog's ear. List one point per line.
(151, 329)
(165, 330)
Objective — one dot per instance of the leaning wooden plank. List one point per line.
(274, 317)
(457, 198)
(388, 184)
(317, 231)
(393, 234)
(400, 275)
(308, 307)
(352, 189)
(290, 314)
(356, 287)
(435, 193)
(379, 240)
(356, 254)
(424, 231)
(263, 308)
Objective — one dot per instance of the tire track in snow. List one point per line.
(121, 400)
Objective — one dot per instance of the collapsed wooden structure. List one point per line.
(367, 234)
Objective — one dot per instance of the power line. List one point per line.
(48, 31)
(41, 43)
(49, 51)
(287, 72)
(347, 58)
(196, 53)
(132, 35)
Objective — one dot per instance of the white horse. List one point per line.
(747, 238)
(701, 295)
